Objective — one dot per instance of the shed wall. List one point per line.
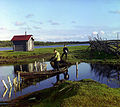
(20, 45)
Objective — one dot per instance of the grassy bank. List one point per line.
(85, 93)
(76, 53)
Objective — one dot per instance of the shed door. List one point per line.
(20, 48)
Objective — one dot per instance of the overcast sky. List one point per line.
(60, 20)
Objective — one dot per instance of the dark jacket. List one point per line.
(65, 50)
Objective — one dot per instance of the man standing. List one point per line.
(65, 52)
(56, 59)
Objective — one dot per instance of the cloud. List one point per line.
(73, 22)
(3, 28)
(36, 22)
(53, 22)
(25, 28)
(17, 23)
(94, 33)
(102, 32)
(29, 15)
(36, 27)
(115, 12)
(58, 38)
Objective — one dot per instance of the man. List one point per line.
(65, 51)
(56, 59)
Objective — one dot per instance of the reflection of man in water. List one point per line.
(66, 76)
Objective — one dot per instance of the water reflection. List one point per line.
(34, 79)
(106, 71)
(66, 76)
(107, 74)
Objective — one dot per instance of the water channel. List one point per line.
(50, 46)
(106, 74)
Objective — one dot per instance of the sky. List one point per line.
(60, 20)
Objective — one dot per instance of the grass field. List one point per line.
(76, 54)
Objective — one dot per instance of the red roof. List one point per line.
(21, 37)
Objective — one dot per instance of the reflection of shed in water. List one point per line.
(26, 67)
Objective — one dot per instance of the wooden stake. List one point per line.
(43, 60)
(76, 69)
(9, 81)
(18, 76)
(45, 67)
(41, 68)
(21, 67)
(19, 85)
(10, 92)
(77, 66)
(4, 84)
(35, 64)
(15, 81)
(5, 92)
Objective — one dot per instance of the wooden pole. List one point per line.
(4, 84)
(9, 81)
(10, 92)
(41, 68)
(76, 69)
(18, 76)
(35, 66)
(15, 81)
(45, 67)
(5, 92)
(43, 60)
(19, 85)
(21, 67)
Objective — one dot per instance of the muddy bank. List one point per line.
(24, 58)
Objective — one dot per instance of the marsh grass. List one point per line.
(84, 93)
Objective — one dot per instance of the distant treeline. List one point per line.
(5, 44)
(58, 43)
(38, 43)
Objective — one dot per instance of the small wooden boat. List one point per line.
(62, 64)
(42, 73)
(47, 73)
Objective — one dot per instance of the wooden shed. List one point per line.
(23, 43)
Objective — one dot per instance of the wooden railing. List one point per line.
(110, 47)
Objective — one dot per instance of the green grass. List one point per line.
(85, 93)
(76, 54)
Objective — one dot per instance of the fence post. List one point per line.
(43, 60)
(5, 92)
(76, 69)
(9, 81)
(4, 84)
(18, 76)
(10, 92)
(41, 68)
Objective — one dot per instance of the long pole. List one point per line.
(9, 81)
(4, 84)
(76, 69)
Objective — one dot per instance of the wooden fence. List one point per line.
(110, 47)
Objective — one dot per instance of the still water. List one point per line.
(106, 74)
(50, 46)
